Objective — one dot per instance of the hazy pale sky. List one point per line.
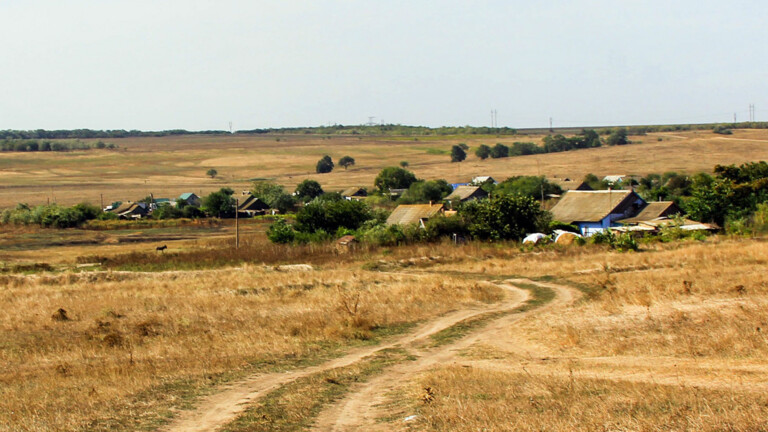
(195, 64)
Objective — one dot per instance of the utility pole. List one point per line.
(102, 201)
(550, 125)
(237, 224)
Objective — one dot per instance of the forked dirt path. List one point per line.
(218, 409)
(359, 410)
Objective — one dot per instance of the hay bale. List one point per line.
(567, 238)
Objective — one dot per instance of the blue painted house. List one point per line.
(594, 211)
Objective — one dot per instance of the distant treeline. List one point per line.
(642, 130)
(90, 133)
(29, 145)
(387, 129)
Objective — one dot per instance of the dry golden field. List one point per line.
(169, 166)
(576, 338)
(206, 337)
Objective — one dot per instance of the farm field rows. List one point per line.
(169, 166)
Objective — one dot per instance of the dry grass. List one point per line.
(671, 338)
(169, 166)
(129, 337)
(476, 399)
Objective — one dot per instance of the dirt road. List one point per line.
(360, 409)
(217, 410)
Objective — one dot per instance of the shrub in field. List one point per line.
(281, 232)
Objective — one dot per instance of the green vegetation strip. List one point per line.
(540, 296)
(295, 406)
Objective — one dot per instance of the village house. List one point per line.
(136, 210)
(479, 180)
(466, 194)
(253, 206)
(595, 211)
(354, 193)
(191, 199)
(406, 214)
(567, 184)
(654, 210)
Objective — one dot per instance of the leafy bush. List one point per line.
(324, 165)
(394, 178)
(505, 217)
(330, 215)
(281, 232)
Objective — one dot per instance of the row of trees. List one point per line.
(326, 165)
(46, 145)
(588, 138)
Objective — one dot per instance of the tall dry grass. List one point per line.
(130, 339)
(472, 399)
(671, 338)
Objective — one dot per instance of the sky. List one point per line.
(198, 65)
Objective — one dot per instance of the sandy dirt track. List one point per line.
(217, 410)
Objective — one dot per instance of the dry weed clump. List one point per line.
(129, 336)
(479, 399)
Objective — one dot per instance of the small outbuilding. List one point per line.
(191, 199)
(253, 206)
(346, 243)
(466, 194)
(355, 193)
(406, 214)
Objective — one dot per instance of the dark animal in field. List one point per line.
(161, 248)
(60, 315)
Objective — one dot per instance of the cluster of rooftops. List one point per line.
(591, 211)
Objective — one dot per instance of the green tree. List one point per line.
(404, 164)
(426, 191)
(483, 152)
(529, 186)
(394, 178)
(617, 137)
(324, 165)
(499, 151)
(219, 204)
(308, 190)
(458, 154)
(280, 232)
(346, 161)
(504, 217)
(273, 195)
(212, 173)
(329, 216)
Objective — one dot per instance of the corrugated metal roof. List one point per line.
(588, 206)
(654, 210)
(413, 213)
(186, 196)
